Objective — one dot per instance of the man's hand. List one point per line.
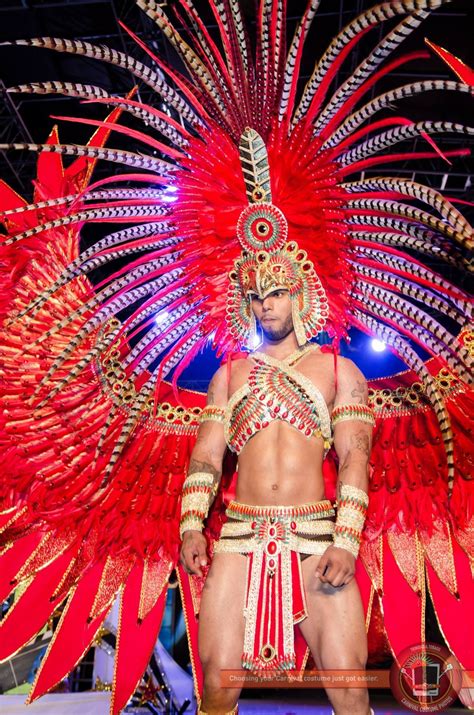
(336, 567)
(194, 552)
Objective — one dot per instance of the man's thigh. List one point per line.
(221, 618)
(335, 627)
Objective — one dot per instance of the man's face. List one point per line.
(273, 314)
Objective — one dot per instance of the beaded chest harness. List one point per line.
(276, 391)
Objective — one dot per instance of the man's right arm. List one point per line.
(202, 481)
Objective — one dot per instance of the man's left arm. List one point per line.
(352, 426)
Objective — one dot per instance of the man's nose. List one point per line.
(267, 303)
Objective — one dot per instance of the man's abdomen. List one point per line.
(279, 465)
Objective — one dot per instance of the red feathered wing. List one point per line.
(70, 538)
(416, 538)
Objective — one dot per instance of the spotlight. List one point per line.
(168, 194)
(256, 341)
(378, 346)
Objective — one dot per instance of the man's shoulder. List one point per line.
(345, 366)
(223, 373)
(346, 363)
(351, 382)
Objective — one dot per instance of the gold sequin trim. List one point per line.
(232, 529)
(122, 392)
(199, 490)
(212, 413)
(310, 389)
(251, 545)
(238, 510)
(350, 519)
(190, 523)
(196, 501)
(342, 413)
(406, 400)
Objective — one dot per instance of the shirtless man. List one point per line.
(281, 466)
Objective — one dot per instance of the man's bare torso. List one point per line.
(279, 465)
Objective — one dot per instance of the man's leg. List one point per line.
(221, 629)
(336, 635)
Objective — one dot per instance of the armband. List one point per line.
(199, 489)
(342, 413)
(351, 512)
(212, 413)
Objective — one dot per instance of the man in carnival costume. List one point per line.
(276, 227)
(280, 410)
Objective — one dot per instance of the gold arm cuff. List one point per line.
(351, 512)
(199, 489)
(190, 523)
(343, 413)
(198, 479)
(196, 501)
(348, 491)
(350, 518)
(212, 413)
(341, 542)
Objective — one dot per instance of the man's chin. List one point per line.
(275, 333)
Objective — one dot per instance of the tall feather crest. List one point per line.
(255, 167)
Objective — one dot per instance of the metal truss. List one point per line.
(13, 168)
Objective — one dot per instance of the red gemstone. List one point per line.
(271, 531)
(293, 525)
(292, 421)
(272, 547)
(272, 563)
(254, 525)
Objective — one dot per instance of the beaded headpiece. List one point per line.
(268, 261)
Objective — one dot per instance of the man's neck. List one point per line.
(280, 349)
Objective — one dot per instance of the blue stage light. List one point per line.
(378, 346)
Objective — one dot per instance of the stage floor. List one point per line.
(287, 706)
(98, 704)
